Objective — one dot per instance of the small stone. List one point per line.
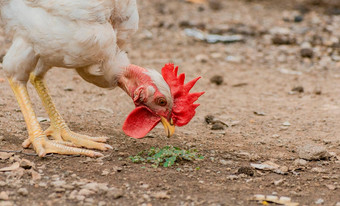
(105, 172)
(94, 186)
(217, 126)
(58, 183)
(233, 59)
(318, 170)
(85, 192)
(6, 203)
(306, 53)
(286, 124)
(298, 18)
(225, 162)
(279, 39)
(23, 191)
(317, 91)
(278, 182)
(319, 201)
(209, 119)
(68, 89)
(216, 79)
(331, 187)
(89, 200)
(114, 193)
(246, 170)
(232, 177)
(300, 162)
(26, 164)
(298, 89)
(215, 4)
(337, 204)
(101, 203)
(80, 198)
(73, 195)
(3, 184)
(161, 195)
(313, 152)
(4, 195)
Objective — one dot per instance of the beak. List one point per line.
(168, 126)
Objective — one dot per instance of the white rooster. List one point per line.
(87, 35)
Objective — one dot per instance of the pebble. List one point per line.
(319, 201)
(313, 152)
(286, 123)
(318, 170)
(80, 198)
(246, 170)
(209, 119)
(4, 195)
(278, 182)
(58, 183)
(226, 162)
(300, 162)
(298, 18)
(101, 203)
(94, 186)
(217, 126)
(23, 191)
(307, 53)
(6, 203)
(233, 59)
(26, 164)
(114, 193)
(161, 195)
(215, 4)
(337, 204)
(85, 192)
(217, 79)
(232, 177)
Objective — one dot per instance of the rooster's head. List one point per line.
(158, 98)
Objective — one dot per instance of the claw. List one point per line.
(108, 146)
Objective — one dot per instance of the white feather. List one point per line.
(82, 34)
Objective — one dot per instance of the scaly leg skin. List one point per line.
(41, 144)
(58, 129)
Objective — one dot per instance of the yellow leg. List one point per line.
(37, 138)
(58, 129)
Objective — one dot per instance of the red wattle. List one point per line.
(140, 122)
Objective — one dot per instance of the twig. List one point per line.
(18, 151)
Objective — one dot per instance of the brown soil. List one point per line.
(255, 99)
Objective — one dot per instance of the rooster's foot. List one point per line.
(42, 145)
(64, 136)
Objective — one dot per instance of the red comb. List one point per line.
(183, 109)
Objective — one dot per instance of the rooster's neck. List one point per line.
(133, 77)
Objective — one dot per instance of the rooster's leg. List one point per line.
(37, 138)
(58, 129)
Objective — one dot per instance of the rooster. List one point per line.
(88, 36)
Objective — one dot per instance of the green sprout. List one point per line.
(166, 156)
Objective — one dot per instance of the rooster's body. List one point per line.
(87, 35)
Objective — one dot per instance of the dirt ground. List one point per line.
(277, 101)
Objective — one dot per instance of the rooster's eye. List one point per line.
(161, 101)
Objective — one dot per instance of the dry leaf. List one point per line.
(14, 166)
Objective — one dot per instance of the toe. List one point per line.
(53, 147)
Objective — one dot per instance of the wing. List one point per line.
(124, 20)
(78, 10)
